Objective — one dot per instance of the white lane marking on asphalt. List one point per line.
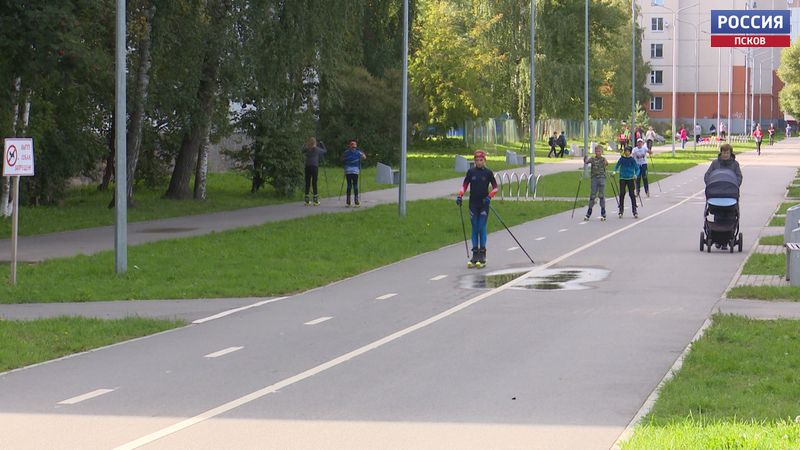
(235, 310)
(87, 396)
(563, 230)
(316, 321)
(438, 277)
(223, 352)
(583, 222)
(541, 238)
(255, 395)
(513, 248)
(385, 296)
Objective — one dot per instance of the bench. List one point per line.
(463, 164)
(386, 175)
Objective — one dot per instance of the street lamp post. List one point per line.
(674, 61)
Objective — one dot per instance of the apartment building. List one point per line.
(709, 83)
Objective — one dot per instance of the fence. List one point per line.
(517, 180)
(507, 130)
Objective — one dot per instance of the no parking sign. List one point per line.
(18, 157)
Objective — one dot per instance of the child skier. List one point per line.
(598, 180)
(628, 170)
(352, 167)
(478, 180)
(312, 153)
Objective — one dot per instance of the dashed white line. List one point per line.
(563, 230)
(541, 238)
(223, 352)
(87, 396)
(318, 321)
(235, 310)
(438, 277)
(513, 248)
(385, 296)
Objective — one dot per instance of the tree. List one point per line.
(789, 73)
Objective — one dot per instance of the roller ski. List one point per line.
(473, 263)
(307, 202)
(481, 259)
(316, 201)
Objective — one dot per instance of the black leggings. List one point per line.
(312, 172)
(629, 184)
(352, 184)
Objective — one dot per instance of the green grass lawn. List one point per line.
(775, 239)
(565, 184)
(739, 388)
(764, 264)
(785, 206)
(29, 342)
(86, 207)
(777, 221)
(272, 259)
(793, 192)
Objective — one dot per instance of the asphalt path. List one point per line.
(411, 356)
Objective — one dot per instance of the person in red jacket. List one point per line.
(759, 136)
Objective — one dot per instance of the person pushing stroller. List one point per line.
(723, 179)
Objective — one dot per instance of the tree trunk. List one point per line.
(179, 182)
(134, 137)
(201, 173)
(108, 173)
(194, 141)
(5, 186)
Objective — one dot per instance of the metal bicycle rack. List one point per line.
(531, 183)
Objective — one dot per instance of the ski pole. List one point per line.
(614, 190)
(463, 228)
(574, 205)
(324, 170)
(654, 168)
(341, 187)
(512, 234)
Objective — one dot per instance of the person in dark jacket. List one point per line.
(352, 168)
(725, 160)
(552, 142)
(312, 152)
(562, 144)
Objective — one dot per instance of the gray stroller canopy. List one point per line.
(722, 183)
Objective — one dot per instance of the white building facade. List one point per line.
(704, 76)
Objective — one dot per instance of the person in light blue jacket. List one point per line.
(628, 170)
(352, 168)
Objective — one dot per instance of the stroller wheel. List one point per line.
(741, 242)
(702, 240)
(708, 244)
(731, 244)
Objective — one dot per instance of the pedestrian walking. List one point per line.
(683, 136)
(478, 180)
(650, 137)
(640, 153)
(312, 152)
(598, 165)
(723, 131)
(758, 135)
(698, 131)
(788, 130)
(628, 170)
(352, 158)
(562, 143)
(771, 131)
(552, 142)
(712, 130)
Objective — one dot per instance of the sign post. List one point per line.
(17, 162)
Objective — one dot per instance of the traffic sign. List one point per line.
(18, 157)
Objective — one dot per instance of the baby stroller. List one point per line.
(722, 202)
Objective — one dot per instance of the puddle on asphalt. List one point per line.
(566, 279)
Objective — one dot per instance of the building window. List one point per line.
(657, 2)
(656, 24)
(656, 103)
(656, 76)
(656, 50)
